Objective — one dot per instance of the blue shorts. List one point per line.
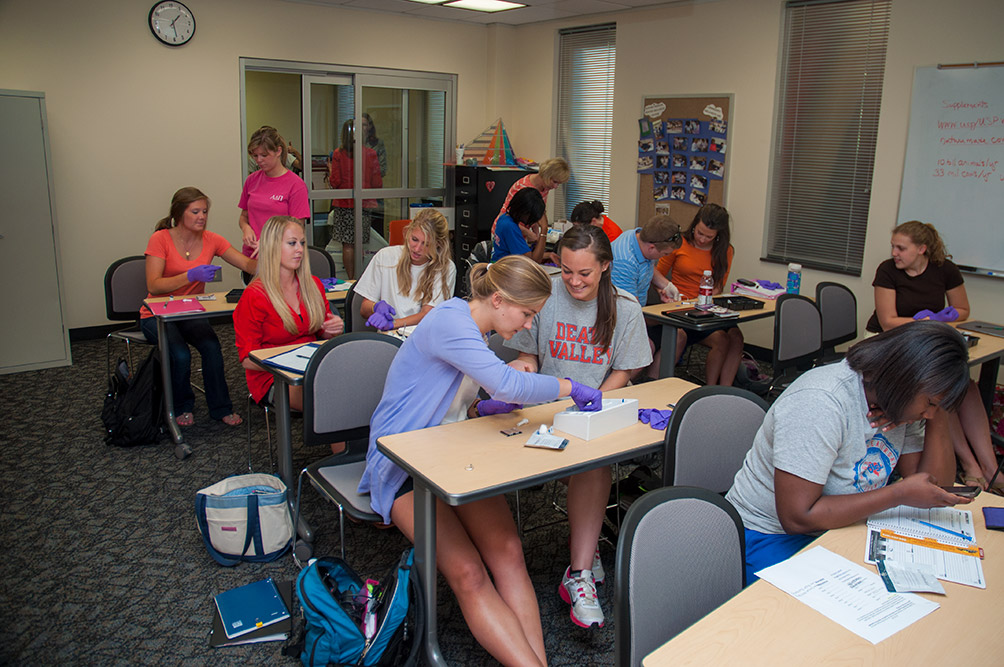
(764, 550)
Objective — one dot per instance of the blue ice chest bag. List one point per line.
(329, 593)
(244, 518)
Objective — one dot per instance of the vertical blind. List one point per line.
(586, 58)
(827, 125)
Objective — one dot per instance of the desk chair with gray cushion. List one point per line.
(342, 386)
(838, 310)
(708, 436)
(125, 290)
(798, 338)
(354, 320)
(322, 264)
(680, 555)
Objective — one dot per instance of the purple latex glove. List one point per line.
(586, 398)
(329, 283)
(380, 321)
(493, 407)
(202, 273)
(657, 419)
(384, 309)
(767, 284)
(947, 315)
(924, 313)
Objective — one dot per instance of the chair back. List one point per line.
(125, 288)
(395, 235)
(322, 264)
(798, 333)
(680, 554)
(838, 310)
(711, 430)
(497, 345)
(354, 320)
(343, 384)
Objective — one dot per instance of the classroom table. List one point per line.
(215, 303)
(471, 460)
(654, 312)
(764, 626)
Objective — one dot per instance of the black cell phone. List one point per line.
(964, 491)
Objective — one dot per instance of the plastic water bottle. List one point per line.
(794, 278)
(704, 291)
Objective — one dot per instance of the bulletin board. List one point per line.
(683, 148)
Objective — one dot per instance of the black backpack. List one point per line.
(133, 413)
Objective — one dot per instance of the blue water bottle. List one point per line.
(794, 278)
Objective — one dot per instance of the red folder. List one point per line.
(177, 306)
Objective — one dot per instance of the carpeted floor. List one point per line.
(103, 563)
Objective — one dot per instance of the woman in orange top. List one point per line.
(706, 247)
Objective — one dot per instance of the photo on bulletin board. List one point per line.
(662, 147)
(646, 163)
(657, 129)
(696, 128)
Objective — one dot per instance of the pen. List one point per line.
(944, 530)
(991, 327)
(303, 356)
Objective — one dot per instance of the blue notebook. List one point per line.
(247, 608)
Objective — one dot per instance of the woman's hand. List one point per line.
(919, 490)
(877, 419)
(202, 273)
(493, 407)
(530, 232)
(523, 366)
(586, 398)
(333, 326)
(248, 237)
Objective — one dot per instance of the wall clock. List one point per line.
(172, 22)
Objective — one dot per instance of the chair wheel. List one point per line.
(182, 451)
(303, 550)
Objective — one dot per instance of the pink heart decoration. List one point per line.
(490, 185)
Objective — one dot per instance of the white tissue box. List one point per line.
(617, 413)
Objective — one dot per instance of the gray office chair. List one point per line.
(679, 556)
(342, 386)
(708, 436)
(838, 310)
(125, 290)
(354, 320)
(322, 264)
(798, 338)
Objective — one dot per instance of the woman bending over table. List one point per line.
(178, 263)
(403, 283)
(594, 333)
(706, 247)
(425, 384)
(284, 305)
(820, 462)
(915, 285)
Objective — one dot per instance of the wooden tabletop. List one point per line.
(988, 347)
(765, 626)
(473, 459)
(655, 310)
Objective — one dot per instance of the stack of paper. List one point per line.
(758, 291)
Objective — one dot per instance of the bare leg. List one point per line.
(491, 617)
(588, 493)
(725, 348)
(938, 456)
(734, 356)
(974, 423)
(349, 259)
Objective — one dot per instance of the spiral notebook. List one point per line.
(941, 524)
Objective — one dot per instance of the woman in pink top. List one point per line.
(179, 262)
(272, 190)
(552, 173)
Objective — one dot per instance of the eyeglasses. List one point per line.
(675, 238)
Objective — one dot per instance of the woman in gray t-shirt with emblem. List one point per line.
(593, 333)
(821, 459)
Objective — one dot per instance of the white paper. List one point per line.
(847, 593)
(948, 566)
(949, 525)
(912, 578)
(294, 360)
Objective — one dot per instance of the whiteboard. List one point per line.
(953, 177)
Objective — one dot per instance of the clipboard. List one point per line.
(987, 328)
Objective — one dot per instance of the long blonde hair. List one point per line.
(269, 258)
(923, 233)
(517, 278)
(437, 243)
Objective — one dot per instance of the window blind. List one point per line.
(833, 63)
(586, 58)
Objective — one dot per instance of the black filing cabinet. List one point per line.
(477, 194)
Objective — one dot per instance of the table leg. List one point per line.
(284, 440)
(425, 565)
(667, 364)
(181, 450)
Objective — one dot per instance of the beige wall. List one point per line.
(131, 120)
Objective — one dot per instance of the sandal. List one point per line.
(972, 480)
(232, 420)
(185, 419)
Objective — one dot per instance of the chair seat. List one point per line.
(133, 335)
(339, 483)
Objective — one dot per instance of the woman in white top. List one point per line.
(403, 283)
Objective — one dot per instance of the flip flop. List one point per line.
(232, 420)
(972, 480)
(185, 419)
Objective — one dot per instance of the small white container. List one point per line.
(617, 413)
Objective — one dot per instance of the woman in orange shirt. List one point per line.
(706, 247)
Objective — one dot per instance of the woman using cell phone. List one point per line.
(426, 383)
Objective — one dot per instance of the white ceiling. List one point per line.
(535, 11)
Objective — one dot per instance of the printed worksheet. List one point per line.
(948, 565)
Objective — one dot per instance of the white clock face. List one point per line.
(172, 23)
